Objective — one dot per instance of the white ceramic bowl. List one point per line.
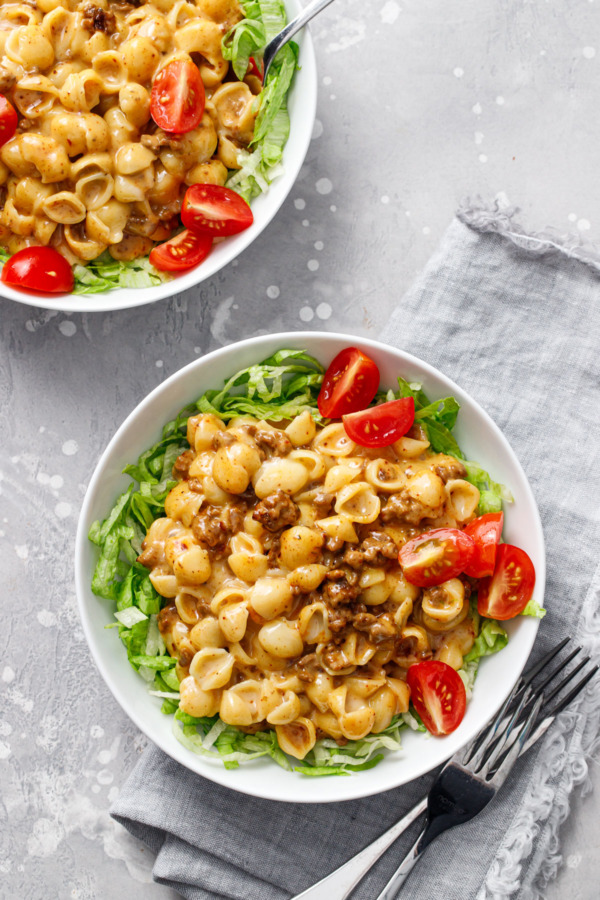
(479, 437)
(302, 104)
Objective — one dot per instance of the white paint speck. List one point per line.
(62, 510)
(197, 349)
(324, 311)
(105, 777)
(46, 618)
(426, 229)
(589, 52)
(305, 223)
(300, 203)
(458, 72)
(333, 208)
(324, 186)
(332, 96)
(500, 101)
(56, 482)
(96, 789)
(4, 750)
(273, 292)
(478, 137)
(482, 158)
(113, 794)
(319, 245)
(70, 448)
(67, 328)
(572, 217)
(317, 130)
(218, 327)
(574, 860)
(42, 429)
(43, 478)
(326, 80)
(8, 675)
(312, 265)
(97, 732)
(477, 109)
(22, 551)
(159, 363)
(385, 199)
(306, 314)
(390, 12)
(583, 225)
(5, 728)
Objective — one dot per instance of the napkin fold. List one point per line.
(515, 320)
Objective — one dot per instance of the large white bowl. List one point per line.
(302, 104)
(479, 437)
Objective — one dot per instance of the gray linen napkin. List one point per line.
(516, 321)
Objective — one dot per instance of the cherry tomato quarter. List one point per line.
(182, 252)
(39, 269)
(8, 120)
(438, 695)
(177, 98)
(215, 210)
(486, 532)
(256, 68)
(350, 384)
(436, 556)
(506, 593)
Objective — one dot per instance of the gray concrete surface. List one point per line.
(421, 103)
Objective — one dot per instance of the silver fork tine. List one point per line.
(497, 738)
(511, 756)
(488, 734)
(565, 680)
(545, 724)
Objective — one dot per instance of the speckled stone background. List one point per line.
(421, 103)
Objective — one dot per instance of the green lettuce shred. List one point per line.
(106, 273)
(263, 20)
(534, 609)
(277, 389)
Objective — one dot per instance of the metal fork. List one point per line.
(471, 778)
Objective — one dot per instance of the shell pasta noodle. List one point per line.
(88, 171)
(259, 577)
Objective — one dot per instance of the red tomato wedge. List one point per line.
(507, 592)
(8, 120)
(256, 68)
(177, 99)
(350, 383)
(215, 210)
(184, 251)
(39, 269)
(486, 532)
(436, 556)
(438, 695)
(381, 425)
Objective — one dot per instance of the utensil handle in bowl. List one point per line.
(339, 884)
(275, 45)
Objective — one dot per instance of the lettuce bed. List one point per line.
(279, 388)
(263, 20)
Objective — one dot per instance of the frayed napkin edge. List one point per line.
(499, 217)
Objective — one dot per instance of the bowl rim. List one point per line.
(359, 786)
(279, 190)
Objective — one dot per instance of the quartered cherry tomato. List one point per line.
(177, 99)
(436, 556)
(486, 532)
(350, 383)
(381, 425)
(215, 210)
(438, 695)
(8, 120)
(256, 68)
(39, 269)
(184, 251)
(506, 593)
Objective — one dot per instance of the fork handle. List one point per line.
(401, 874)
(339, 884)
